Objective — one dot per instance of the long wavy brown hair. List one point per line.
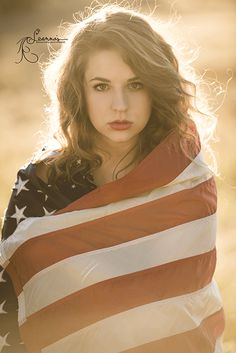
(135, 36)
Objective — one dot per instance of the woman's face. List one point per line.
(118, 104)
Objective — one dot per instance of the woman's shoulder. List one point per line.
(27, 199)
(31, 196)
(30, 170)
(34, 196)
(32, 174)
(39, 167)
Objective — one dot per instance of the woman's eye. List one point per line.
(100, 87)
(136, 85)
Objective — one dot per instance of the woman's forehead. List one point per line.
(107, 63)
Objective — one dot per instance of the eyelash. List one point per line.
(104, 84)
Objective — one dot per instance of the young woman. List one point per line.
(109, 236)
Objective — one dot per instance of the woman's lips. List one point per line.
(120, 124)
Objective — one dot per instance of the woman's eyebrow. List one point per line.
(106, 80)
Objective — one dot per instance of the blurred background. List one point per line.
(207, 26)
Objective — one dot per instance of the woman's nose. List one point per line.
(119, 101)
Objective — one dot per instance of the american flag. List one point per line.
(128, 267)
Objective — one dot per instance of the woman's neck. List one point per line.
(112, 150)
(115, 157)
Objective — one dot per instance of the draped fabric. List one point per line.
(31, 197)
(128, 267)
